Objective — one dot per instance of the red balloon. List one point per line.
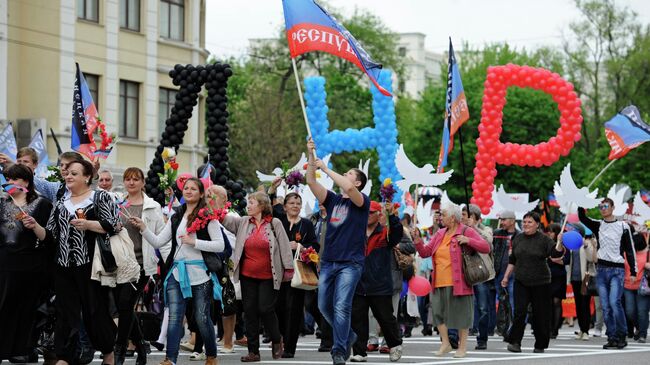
(419, 286)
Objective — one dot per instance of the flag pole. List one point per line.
(302, 101)
(415, 211)
(601, 172)
(462, 159)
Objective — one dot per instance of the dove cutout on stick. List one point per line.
(618, 197)
(411, 174)
(424, 214)
(514, 202)
(364, 167)
(641, 211)
(278, 171)
(572, 195)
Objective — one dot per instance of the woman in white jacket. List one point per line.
(136, 204)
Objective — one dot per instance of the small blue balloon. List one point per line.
(572, 240)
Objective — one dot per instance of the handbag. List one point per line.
(150, 315)
(218, 262)
(589, 286)
(475, 269)
(644, 286)
(228, 297)
(103, 241)
(304, 276)
(403, 260)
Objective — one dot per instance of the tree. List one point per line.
(596, 56)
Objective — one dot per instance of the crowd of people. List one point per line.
(76, 259)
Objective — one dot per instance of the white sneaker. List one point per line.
(226, 350)
(598, 333)
(395, 353)
(579, 335)
(585, 336)
(358, 358)
(197, 357)
(187, 346)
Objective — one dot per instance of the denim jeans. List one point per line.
(610, 290)
(485, 296)
(636, 309)
(336, 287)
(202, 299)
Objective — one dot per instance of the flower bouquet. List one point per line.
(309, 255)
(293, 178)
(207, 214)
(387, 192)
(170, 171)
(107, 140)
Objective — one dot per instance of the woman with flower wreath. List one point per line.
(192, 229)
(262, 261)
(291, 301)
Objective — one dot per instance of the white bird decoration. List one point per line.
(411, 174)
(514, 203)
(424, 214)
(618, 196)
(364, 167)
(277, 172)
(445, 201)
(641, 211)
(571, 195)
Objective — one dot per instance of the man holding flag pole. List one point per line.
(309, 28)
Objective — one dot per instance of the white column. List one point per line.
(151, 83)
(111, 75)
(4, 64)
(193, 139)
(66, 68)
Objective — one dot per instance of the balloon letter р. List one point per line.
(491, 151)
(383, 136)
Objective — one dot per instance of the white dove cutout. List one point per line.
(278, 171)
(571, 195)
(641, 211)
(424, 214)
(364, 167)
(618, 197)
(445, 201)
(517, 203)
(411, 174)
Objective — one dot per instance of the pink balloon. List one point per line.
(573, 218)
(182, 178)
(419, 285)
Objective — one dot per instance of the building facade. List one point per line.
(422, 66)
(125, 48)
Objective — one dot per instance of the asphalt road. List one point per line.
(420, 350)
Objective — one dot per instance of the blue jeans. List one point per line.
(337, 283)
(610, 290)
(485, 296)
(202, 299)
(636, 309)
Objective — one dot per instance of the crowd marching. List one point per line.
(81, 267)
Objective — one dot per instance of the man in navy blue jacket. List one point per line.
(375, 289)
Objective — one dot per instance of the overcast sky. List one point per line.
(523, 23)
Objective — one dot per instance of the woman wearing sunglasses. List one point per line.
(614, 238)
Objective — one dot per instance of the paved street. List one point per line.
(419, 350)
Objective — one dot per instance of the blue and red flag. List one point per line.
(626, 131)
(84, 117)
(311, 28)
(645, 196)
(207, 170)
(8, 142)
(456, 111)
(552, 201)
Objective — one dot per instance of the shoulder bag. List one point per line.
(304, 276)
(475, 269)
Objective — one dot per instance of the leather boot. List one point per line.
(211, 360)
(119, 354)
(277, 349)
(141, 349)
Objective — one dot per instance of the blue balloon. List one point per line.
(572, 240)
(405, 289)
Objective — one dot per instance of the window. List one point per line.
(129, 103)
(402, 51)
(130, 14)
(88, 10)
(172, 19)
(93, 87)
(166, 100)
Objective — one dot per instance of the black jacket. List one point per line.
(377, 273)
